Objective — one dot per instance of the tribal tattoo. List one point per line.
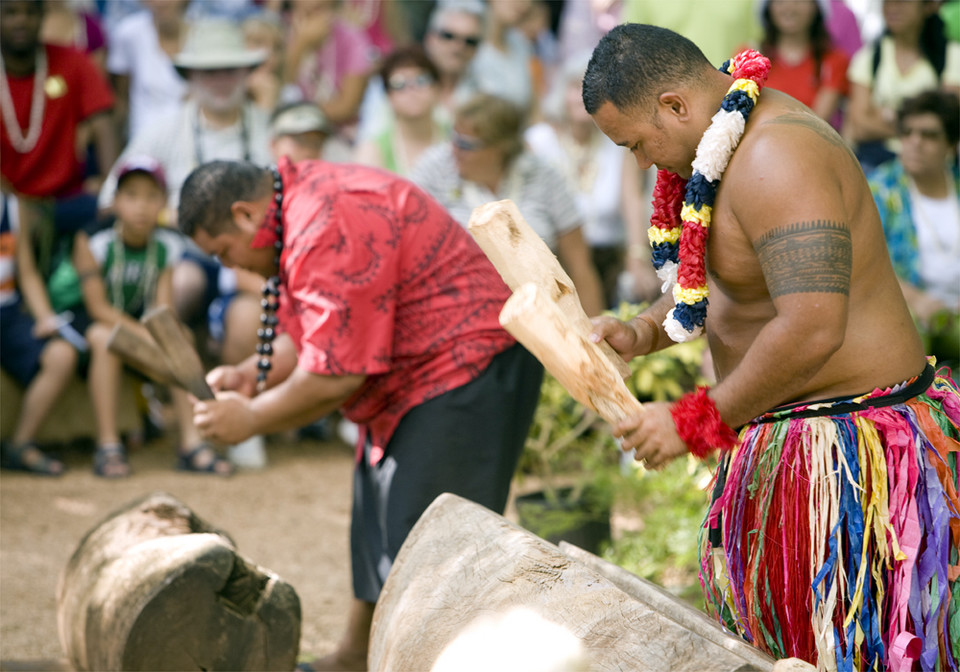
(806, 257)
(812, 122)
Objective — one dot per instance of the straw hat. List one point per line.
(216, 44)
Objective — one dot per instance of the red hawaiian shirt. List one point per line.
(74, 91)
(377, 279)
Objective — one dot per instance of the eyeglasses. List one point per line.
(398, 83)
(471, 41)
(466, 143)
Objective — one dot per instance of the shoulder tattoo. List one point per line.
(806, 257)
(812, 122)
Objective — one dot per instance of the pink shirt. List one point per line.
(347, 51)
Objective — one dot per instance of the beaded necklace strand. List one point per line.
(147, 276)
(682, 209)
(271, 292)
(24, 144)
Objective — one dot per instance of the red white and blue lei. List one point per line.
(682, 209)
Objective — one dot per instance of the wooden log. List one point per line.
(574, 361)
(179, 354)
(153, 587)
(663, 602)
(461, 561)
(140, 353)
(521, 256)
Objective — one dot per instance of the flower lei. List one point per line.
(682, 209)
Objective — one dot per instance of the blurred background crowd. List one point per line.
(107, 106)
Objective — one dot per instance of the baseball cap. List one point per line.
(299, 118)
(146, 165)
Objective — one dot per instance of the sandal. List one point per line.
(29, 458)
(189, 461)
(110, 461)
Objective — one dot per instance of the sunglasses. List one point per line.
(466, 143)
(398, 83)
(467, 40)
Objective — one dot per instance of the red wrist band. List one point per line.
(699, 424)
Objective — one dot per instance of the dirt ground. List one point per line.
(291, 517)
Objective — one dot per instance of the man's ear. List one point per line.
(673, 104)
(243, 217)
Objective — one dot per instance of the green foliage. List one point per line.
(670, 506)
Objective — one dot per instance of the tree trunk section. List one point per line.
(462, 561)
(154, 587)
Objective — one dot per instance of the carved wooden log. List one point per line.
(663, 602)
(140, 353)
(178, 353)
(461, 561)
(521, 256)
(153, 587)
(588, 376)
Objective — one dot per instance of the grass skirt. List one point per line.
(834, 531)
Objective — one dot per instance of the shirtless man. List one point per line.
(803, 306)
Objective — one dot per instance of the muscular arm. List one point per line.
(806, 266)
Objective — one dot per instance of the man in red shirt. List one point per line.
(46, 93)
(389, 312)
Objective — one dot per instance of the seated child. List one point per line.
(125, 271)
(43, 365)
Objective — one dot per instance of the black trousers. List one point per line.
(467, 442)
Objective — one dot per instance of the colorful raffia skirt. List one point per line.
(834, 531)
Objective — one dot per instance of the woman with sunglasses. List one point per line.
(410, 80)
(486, 161)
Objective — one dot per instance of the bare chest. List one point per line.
(733, 270)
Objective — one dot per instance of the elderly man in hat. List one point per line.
(216, 121)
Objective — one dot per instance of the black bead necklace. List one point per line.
(271, 292)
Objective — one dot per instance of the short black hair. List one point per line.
(211, 190)
(634, 63)
(945, 105)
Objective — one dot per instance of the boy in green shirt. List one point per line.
(125, 270)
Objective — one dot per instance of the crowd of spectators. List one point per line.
(474, 100)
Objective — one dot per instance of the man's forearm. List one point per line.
(651, 321)
(302, 398)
